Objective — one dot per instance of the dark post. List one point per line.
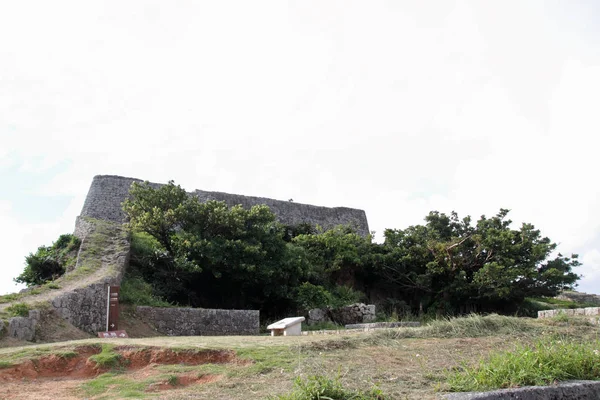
(113, 309)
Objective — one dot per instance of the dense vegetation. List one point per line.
(49, 262)
(199, 254)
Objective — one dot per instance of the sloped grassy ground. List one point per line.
(403, 363)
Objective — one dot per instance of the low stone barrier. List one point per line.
(176, 321)
(588, 311)
(383, 325)
(581, 390)
(592, 313)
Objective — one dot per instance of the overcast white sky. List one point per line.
(394, 107)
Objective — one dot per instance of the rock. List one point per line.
(318, 315)
(354, 314)
(22, 328)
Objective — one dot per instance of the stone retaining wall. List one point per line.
(588, 311)
(105, 243)
(23, 328)
(200, 321)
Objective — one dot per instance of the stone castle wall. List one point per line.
(174, 321)
(104, 241)
(107, 192)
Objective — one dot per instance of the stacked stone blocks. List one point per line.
(182, 321)
(107, 192)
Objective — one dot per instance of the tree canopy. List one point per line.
(455, 265)
(198, 254)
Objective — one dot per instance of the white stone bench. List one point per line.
(287, 327)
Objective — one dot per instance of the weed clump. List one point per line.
(544, 363)
(5, 364)
(321, 387)
(107, 358)
(18, 310)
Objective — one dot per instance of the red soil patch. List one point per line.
(54, 366)
(140, 358)
(79, 367)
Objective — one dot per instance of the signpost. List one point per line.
(113, 309)
(112, 315)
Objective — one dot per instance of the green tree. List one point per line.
(49, 262)
(453, 266)
(204, 252)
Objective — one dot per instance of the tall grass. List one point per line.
(543, 363)
(470, 326)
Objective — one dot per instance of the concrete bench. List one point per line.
(287, 327)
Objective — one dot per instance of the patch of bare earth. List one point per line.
(58, 376)
(182, 381)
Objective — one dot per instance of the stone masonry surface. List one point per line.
(588, 311)
(85, 307)
(575, 390)
(200, 322)
(23, 328)
(592, 313)
(107, 192)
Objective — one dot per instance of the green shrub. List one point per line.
(344, 295)
(136, 291)
(544, 363)
(49, 262)
(320, 387)
(311, 296)
(18, 310)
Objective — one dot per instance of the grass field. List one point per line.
(402, 363)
